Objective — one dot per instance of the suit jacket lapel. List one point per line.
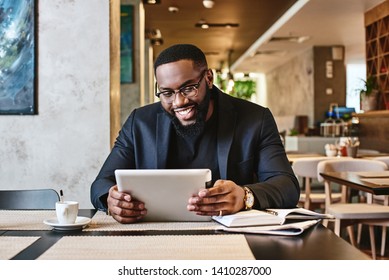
(227, 119)
(163, 137)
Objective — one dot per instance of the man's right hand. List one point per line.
(123, 208)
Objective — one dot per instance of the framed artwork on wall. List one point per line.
(18, 57)
(126, 44)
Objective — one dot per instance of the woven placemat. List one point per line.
(103, 222)
(25, 219)
(157, 247)
(10, 246)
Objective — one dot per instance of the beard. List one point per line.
(197, 128)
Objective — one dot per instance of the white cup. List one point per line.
(331, 153)
(66, 211)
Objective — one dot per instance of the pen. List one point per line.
(272, 212)
(60, 195)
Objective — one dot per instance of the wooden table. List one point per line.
(316, 243)
(293, 156)
(353, 180)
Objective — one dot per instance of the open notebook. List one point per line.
(271, 221)
(285, 229)
(268, 217)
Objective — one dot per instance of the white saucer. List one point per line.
(80, 223)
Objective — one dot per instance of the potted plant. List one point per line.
(244, 89)
(369, 94)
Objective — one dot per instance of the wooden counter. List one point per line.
(374, 130)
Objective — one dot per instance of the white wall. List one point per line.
(64, 145)
(355, 74)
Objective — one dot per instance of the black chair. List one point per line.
(38, 199)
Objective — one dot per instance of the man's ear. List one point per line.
(209, 77)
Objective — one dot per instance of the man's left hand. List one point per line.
(224, 198)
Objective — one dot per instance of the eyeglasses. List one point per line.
(186, 91)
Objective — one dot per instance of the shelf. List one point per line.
(373, 114)
(371, 32)
(377, 49)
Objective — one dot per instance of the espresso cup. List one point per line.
(66, 211)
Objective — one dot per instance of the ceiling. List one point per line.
(248, 48)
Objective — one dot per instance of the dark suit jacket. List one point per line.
(249, 149)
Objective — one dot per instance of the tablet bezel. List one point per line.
(155, 188)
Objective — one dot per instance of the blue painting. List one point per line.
(126, 43)
(17, 57)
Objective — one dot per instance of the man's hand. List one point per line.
(123, 208)
(224, 198)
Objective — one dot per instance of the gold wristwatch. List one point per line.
(248, 198)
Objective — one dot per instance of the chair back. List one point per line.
(384, 159)
(368, 152)
(33, 199)
(307, 167)
(348, 164)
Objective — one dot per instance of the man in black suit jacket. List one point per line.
(195, 125)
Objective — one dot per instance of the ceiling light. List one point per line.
(208, 4)
(151, 2)
(293, 39)
(156, 41)
(271, 52)
(153, 33)
(173, 9)
(203, 24)
(155, 36)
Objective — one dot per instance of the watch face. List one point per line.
(249, 199)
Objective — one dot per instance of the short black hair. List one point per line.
(179, 52)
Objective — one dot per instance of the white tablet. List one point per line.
(165, 192)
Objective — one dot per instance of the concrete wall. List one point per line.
(290, 89)
(64, 146)
(299, 87)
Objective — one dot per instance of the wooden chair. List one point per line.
(381, 199)
(348, 214)
(384, 200)
(306, 168)
(384, 159)
(32, 199)
(368, 152)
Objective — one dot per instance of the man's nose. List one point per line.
(178, 98)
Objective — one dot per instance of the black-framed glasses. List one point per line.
(187, 91)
